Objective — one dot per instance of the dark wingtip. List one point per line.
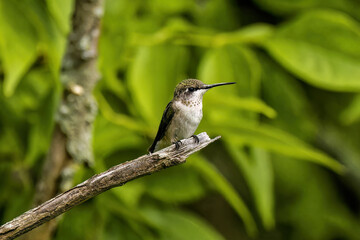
(151, 148)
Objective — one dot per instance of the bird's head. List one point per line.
(193, 89)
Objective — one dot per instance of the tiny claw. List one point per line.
(177, 144)
(196, 139)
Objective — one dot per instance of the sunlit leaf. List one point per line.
(152, 78)
(51, 38)
(33, 106)
(235, 103)
(274, 140)
(254, 34)
(18, 43)
(232, 64)
(289, 7)
(173, 7)
(61, 11)
(209, 12)
(334, 63)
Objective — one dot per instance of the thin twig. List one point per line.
(115, 176)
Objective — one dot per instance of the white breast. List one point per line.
(188, 118)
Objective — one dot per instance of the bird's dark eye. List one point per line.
(191, 89)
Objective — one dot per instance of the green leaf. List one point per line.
(286, 95)
(321, 47)
(18, 43)
(130, 194)
(114, 50)
(110, 137)
(208, 15)
(232, 63)
(175, 185)
(220, 184)
(251, 34)
(116, 229)
(259, 175)
(40, 131)
(240, 64)
(290, 7)
(130, 220)
(82, 222)
(344, 145)
(234, 103)
(15, 206)
(171, 7)
(51, 39)
(116, 115)
(43, 99)
(61, 12)
(153, 76)
(351, 113)
(180, 225)
(11, 145)
(274, 140)
(32, 110)
(313, 199)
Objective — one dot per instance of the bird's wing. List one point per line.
(165, 122)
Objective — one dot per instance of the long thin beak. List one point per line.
(208, 86)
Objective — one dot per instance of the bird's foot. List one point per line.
(196, 139)
(177, 144)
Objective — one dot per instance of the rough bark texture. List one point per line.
(115, 176)
(72, 135)
(79, 76)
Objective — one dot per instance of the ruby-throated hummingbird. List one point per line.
(183, 114)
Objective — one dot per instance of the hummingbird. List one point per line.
(182, 115)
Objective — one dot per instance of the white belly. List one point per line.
(186, 121)
(183, 124)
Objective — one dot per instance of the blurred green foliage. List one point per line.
(297, 68)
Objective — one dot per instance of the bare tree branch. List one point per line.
(115, 176)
